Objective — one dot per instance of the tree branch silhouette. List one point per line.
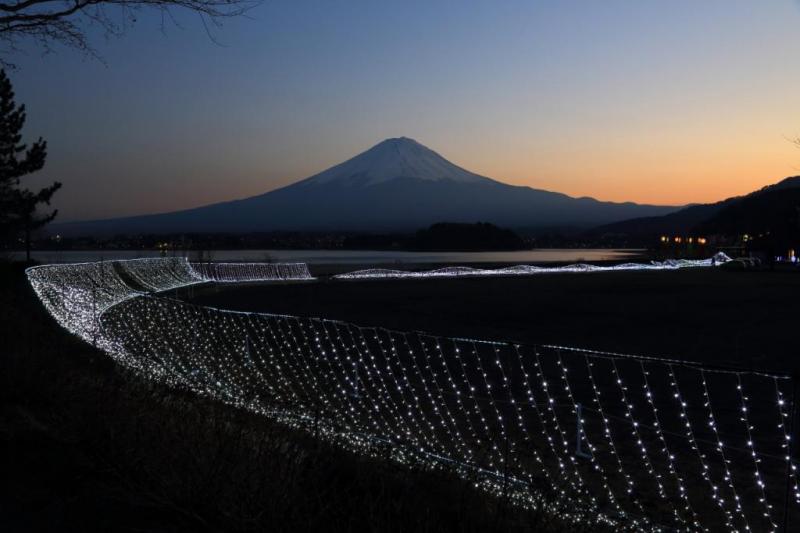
(50, 22)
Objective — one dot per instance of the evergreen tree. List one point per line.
(18, 206)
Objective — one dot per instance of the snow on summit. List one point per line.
(394, 158)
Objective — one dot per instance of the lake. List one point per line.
(355, 257)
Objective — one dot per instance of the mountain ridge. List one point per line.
(398, 184)
(397, 157)
(694, 217)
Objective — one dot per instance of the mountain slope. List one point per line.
(721, 216)
(396, 185)
(774, 209)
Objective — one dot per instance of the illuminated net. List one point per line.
(529, 270)
(634, 442)
(244, 272)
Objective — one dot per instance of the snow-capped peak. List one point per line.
(399, 157)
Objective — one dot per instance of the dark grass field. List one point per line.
(742, 319)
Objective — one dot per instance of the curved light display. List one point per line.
(528, 270)
(634, 442)
(244, 272)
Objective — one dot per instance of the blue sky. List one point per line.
(651, 101)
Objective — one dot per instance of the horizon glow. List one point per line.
(653, 102)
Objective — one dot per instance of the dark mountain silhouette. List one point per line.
(679, 222)
(750, 213)
(480, 236)
(397, 185)
(774, 210)
(442, 236)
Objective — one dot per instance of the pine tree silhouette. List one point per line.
(18, 206)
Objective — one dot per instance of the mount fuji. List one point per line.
(396, 185)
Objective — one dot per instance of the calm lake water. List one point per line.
(359, 257)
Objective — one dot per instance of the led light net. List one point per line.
(528, 270)
(634, 442)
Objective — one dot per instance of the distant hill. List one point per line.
(480, 236)
(679, 222)
(774, 210)
(738, 215)
(443, 236)
(397, 185)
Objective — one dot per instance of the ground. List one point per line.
(742, 319)
(86, 446)
(91, 447)
(724, 319)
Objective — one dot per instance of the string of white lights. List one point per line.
(783, 419)
(517, 413)
(559, 431)
(670, 458)
(244, 272)
(762, 486)
(641, 446)
(528, 270)
(705, 471)
(157, 274)
(720, 447)
(609, 438)
(490, 412)
(530, 399)
(582, 435)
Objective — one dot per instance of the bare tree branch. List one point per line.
(50, 22)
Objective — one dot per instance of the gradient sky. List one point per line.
(669, 102)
